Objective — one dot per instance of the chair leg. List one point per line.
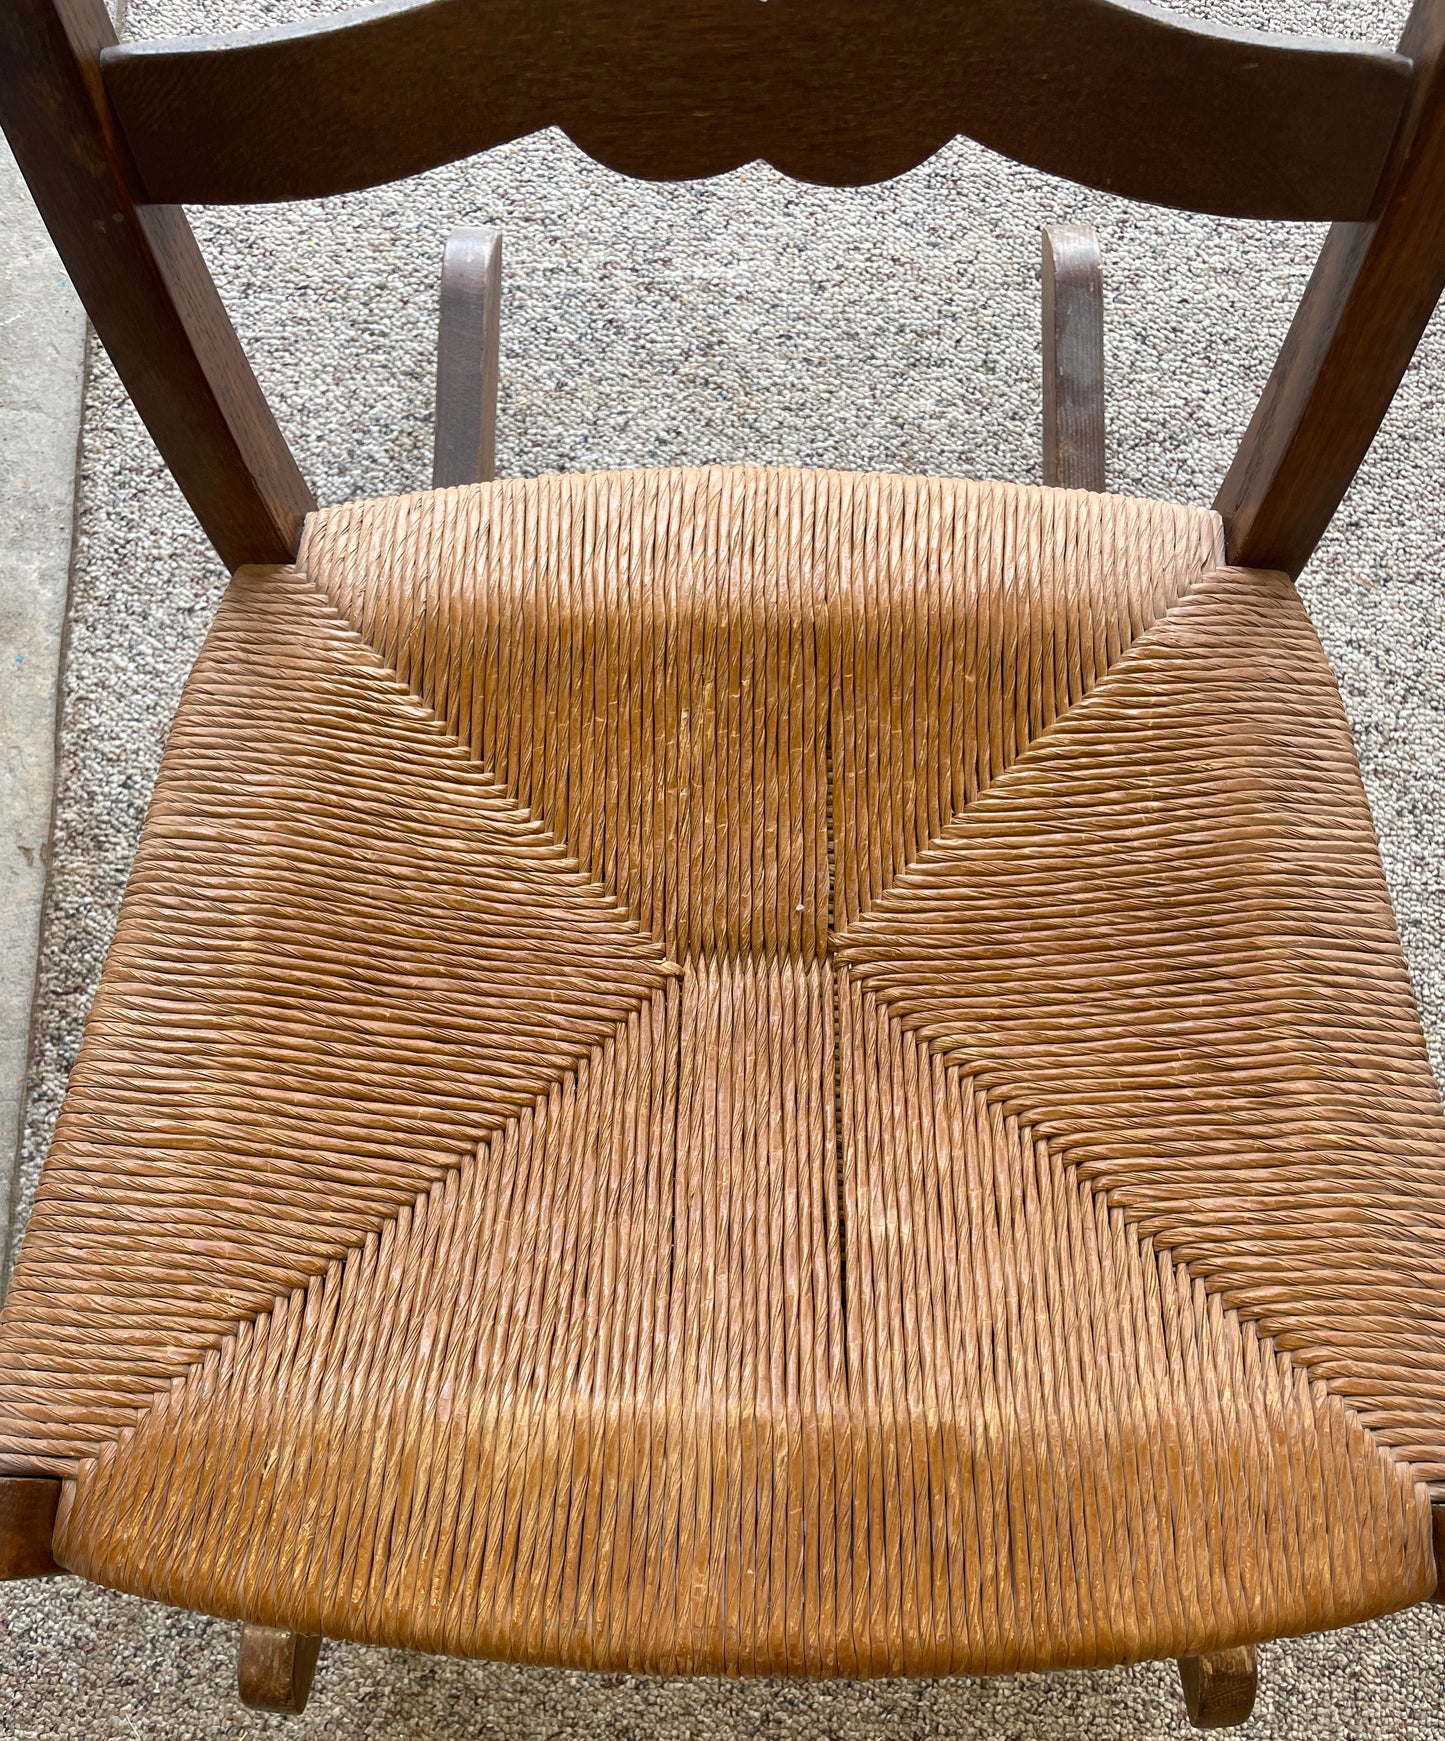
(27, 1522)
(465, 450)
(1073, 358)
(274, 1668)
(1219, 1688)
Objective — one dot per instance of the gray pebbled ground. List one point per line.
(743, 318)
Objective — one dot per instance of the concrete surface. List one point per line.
(42, 339)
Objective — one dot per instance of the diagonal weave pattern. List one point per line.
(670, 1448)
(757, 1071)
(345, 954)
(1211, 1018)
(671, 667)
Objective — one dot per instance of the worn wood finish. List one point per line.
(1364, 311)
(27, 1522)
(143, 281)
(1219, 1689)
(275, 1667)
(836, 91)
(1073, 295)
(465, 450)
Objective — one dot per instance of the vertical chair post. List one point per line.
(275, 1667)
(1374, 288)
(1073, 284)
(465, 449)
(1220, 1688)
(27, 1523)
(141, 276)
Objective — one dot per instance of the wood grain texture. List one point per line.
(583, 1205)
(838, 91)
(465, 443)
(1367, 304)
(27, 1524)
(1220, 1689)
(1073, 303)
(140, 274)
(275, 1668)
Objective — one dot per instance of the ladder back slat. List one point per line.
(1110, 93)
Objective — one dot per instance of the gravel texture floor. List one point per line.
(744, 318)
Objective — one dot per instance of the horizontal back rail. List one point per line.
(1110, 93)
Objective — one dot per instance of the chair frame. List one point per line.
(112, 138)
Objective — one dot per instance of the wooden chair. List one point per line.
(745, 1070)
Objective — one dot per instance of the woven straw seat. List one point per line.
(750, 1070)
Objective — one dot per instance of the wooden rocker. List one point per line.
(745, 1070)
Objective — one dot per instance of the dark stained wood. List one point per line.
(1219, 1689)
(1112, 93)
(1437, 1535)
(144, 284)
(465, 450)
(1073, 284)
(27, 1522)
(1364, 311)
(274, 1668)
